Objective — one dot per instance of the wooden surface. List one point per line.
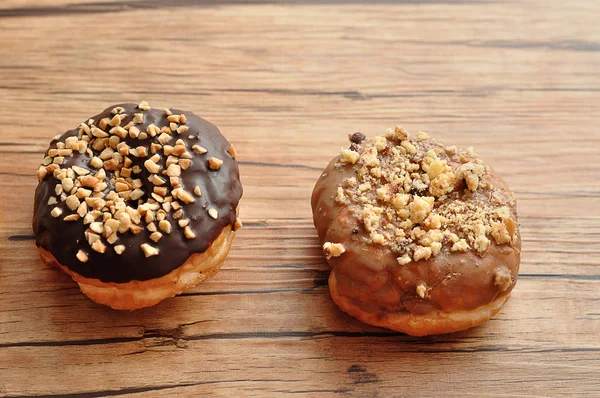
(519, 80)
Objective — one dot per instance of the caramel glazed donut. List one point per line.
(137, 204)
(422, 237)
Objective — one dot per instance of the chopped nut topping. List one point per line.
(187, 231)
(99, 246)
(72, 202)
(333, 250)
(164, 138)
(350, 156)
(199, 149)
(237, 225)
(174, 170)
(144, 106)
(183, 195)
(165, 226)
(67, 184)
(82, 256)
(96, 162)
(416, 197)
(151, 227)
(89, 181)
(215, 163)
(421, 290)
(106, 193)
(503, 279)
(232, 151)
(151, 166)
(97, 227)
(41, 173)
(80, 170)
(405, 259)
(422, 253)
(148, 250)
(156, 236)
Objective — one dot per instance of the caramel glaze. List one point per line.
(221, 190)
(371, 276)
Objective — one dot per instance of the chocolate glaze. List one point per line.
(370, 276)
(221, 190)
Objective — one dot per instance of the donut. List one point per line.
(422, 237)
(137, 204)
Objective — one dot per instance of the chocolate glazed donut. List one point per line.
(132, 195)
(422, 237)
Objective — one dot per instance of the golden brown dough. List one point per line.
(423, 238)
(140, 294)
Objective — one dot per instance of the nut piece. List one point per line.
(97, 227)
(215, 163)
(187, 231)
(238, 224)
(349, 156)
(148, 250)
(421, 289)
(503, 279)
(56, 212)
(80, 170)
(165, 226)
(156, 236)
(151, 166)
(199, 149)
(333, 250)
(420, 208)
(96, 162)
(144, 106)
(213, 213)
(119, 249)
(232, 151)
(471, 173)
(460, 246)
(82, 256)
(422, 253)
(174, 170)
(183, 195)
(72, 202)
(500, 233)
(99, 246)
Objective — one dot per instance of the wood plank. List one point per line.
(267, 366)
(566, 318)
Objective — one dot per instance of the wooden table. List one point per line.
(286, 81)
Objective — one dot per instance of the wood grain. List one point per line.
(286, 81)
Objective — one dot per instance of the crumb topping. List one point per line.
(120, 204)
(503, 279)
(333, 250)
(417, 196)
